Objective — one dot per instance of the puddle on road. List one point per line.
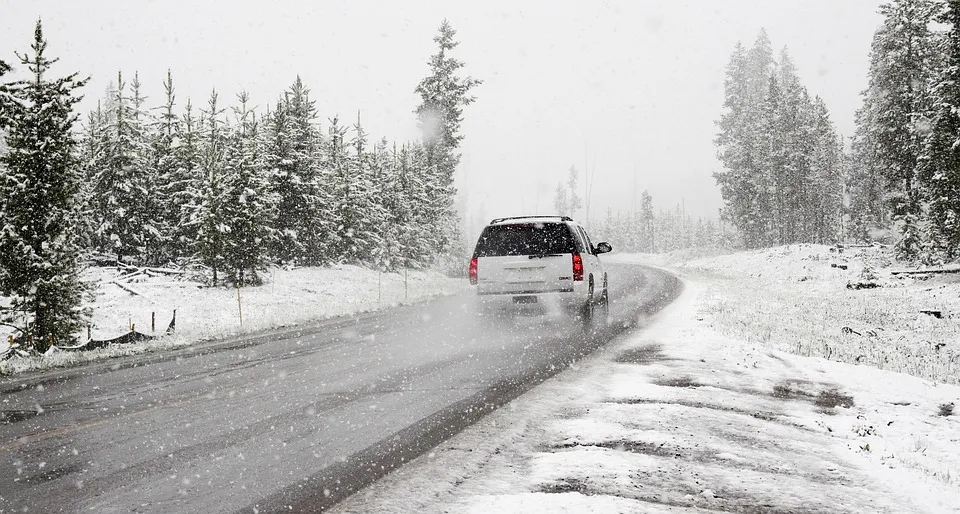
(9, 417)
(647, 354)
(53, 474)
(821, 395)
(833, 398)
(678, 382)
(567, 485)
(758, 414)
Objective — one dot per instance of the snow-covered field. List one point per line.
(719, 405)
(796, 299)
(288, 297)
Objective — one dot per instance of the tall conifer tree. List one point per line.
(443, 94)
(39, 185)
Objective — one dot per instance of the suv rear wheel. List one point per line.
(588, 309)
(595, 313)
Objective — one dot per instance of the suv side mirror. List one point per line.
(603, 248)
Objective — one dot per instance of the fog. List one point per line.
(626, 90)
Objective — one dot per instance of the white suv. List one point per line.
(547, 260)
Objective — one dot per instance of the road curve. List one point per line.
(294, 419)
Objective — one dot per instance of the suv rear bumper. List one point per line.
(567, 299)
(533, 292)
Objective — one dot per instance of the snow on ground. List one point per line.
(687, 415)
(288, 297)
(796, 298)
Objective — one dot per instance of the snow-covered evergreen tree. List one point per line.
(152, 239)
(421, 237)
(902, 59)
(247, 206)
(443, 94)
(207, 212)
(942, 171)
(647, 242)
(123, 182)
(93, 141)
(741, 181)
(39, 184)
(169, 185)
(359, 205)
(294, 160)
(6, 104)
(181, 190)
(825, 192)
(779, 151)
(865, 205)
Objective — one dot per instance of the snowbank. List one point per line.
(288, 297)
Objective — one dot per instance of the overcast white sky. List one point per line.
(630, 87)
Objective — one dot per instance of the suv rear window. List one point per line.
(525, 239)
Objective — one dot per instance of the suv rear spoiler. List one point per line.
(498, 220)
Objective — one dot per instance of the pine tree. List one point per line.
(122, 183)
(901, 60)
(170, 185)
(865, 188)
(293, 155)
(648, 242)
(364, 202)
(350, 193)
(825, 201)
(92, 153)
(779, 153)
(943, 168)
(39, 184)
(6, 101)
(772, 178)
(246, 203)
(385, 192)
(421, 235)
(182, 188)
(561, 200)
(152, 236)
(795, 182)
(573, 176)
(207, 213)
(443, 94)
(742, 182)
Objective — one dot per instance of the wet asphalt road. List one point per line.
(295, 419)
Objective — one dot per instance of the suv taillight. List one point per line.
(577, 267)
(473, 271)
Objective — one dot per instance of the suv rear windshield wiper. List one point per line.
(542, 255)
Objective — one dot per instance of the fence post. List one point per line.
(239, 306)
(153, 322)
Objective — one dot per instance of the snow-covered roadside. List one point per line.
(796, 298)
(679, 418)
(288, 297)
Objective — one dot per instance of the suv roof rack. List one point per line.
(498, 220)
